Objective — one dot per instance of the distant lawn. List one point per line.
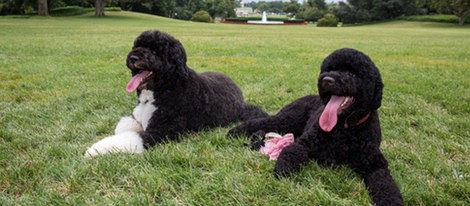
(62, 83)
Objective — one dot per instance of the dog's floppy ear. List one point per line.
(169, 50)
(377, 98)
(177, 56)
(370, 70)
(172, 51)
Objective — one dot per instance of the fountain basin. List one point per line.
(250, 22)
(265, 22)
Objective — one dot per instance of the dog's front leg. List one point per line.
(128, 123)
(382, 188)
(290, 160)
(127, 142)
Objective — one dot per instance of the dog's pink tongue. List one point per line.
(329, 117)
(136, 80)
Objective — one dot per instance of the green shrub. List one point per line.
(328, 20)
(77, 10)
(236, 19)
(435, 18)
(294, 21)
(112, 9)
(28, 10)
(69, 11)
(202, 16)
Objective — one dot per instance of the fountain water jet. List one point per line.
(264, 20)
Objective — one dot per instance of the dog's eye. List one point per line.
(350, 73)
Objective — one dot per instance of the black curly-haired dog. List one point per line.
(172, 98)
(340, 126)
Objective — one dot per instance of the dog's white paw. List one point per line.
(128, 124)
(127, 142)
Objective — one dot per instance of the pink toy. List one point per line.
(274, 144)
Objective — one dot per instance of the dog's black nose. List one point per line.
(133, 59)
(328, 81)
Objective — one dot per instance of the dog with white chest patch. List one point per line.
(172, 98)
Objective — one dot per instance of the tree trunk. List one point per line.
(464, 14)
(99, 7)
(42, 8)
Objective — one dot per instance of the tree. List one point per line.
(313, 14)
(42, 8)
(8, 7)
(163, 7)
(387, 9)
(312, 10)
(263, 7)
(461, 8)
(345, 13)
(182, 13)
(291, 7)
(254, 6)
(275, 6)
(357, 11)
(220, 8)
(224, 8)
(99, 7)
(142, 6)
(320, 4)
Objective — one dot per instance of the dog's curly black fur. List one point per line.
(186, 101)
(355, 138)
(172, 98)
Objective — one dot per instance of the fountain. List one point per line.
(264, 20)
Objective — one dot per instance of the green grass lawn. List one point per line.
(62, 88)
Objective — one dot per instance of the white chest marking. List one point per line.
(144, 111)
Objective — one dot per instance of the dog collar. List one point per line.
(346, 125)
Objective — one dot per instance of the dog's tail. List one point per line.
(251, 111)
